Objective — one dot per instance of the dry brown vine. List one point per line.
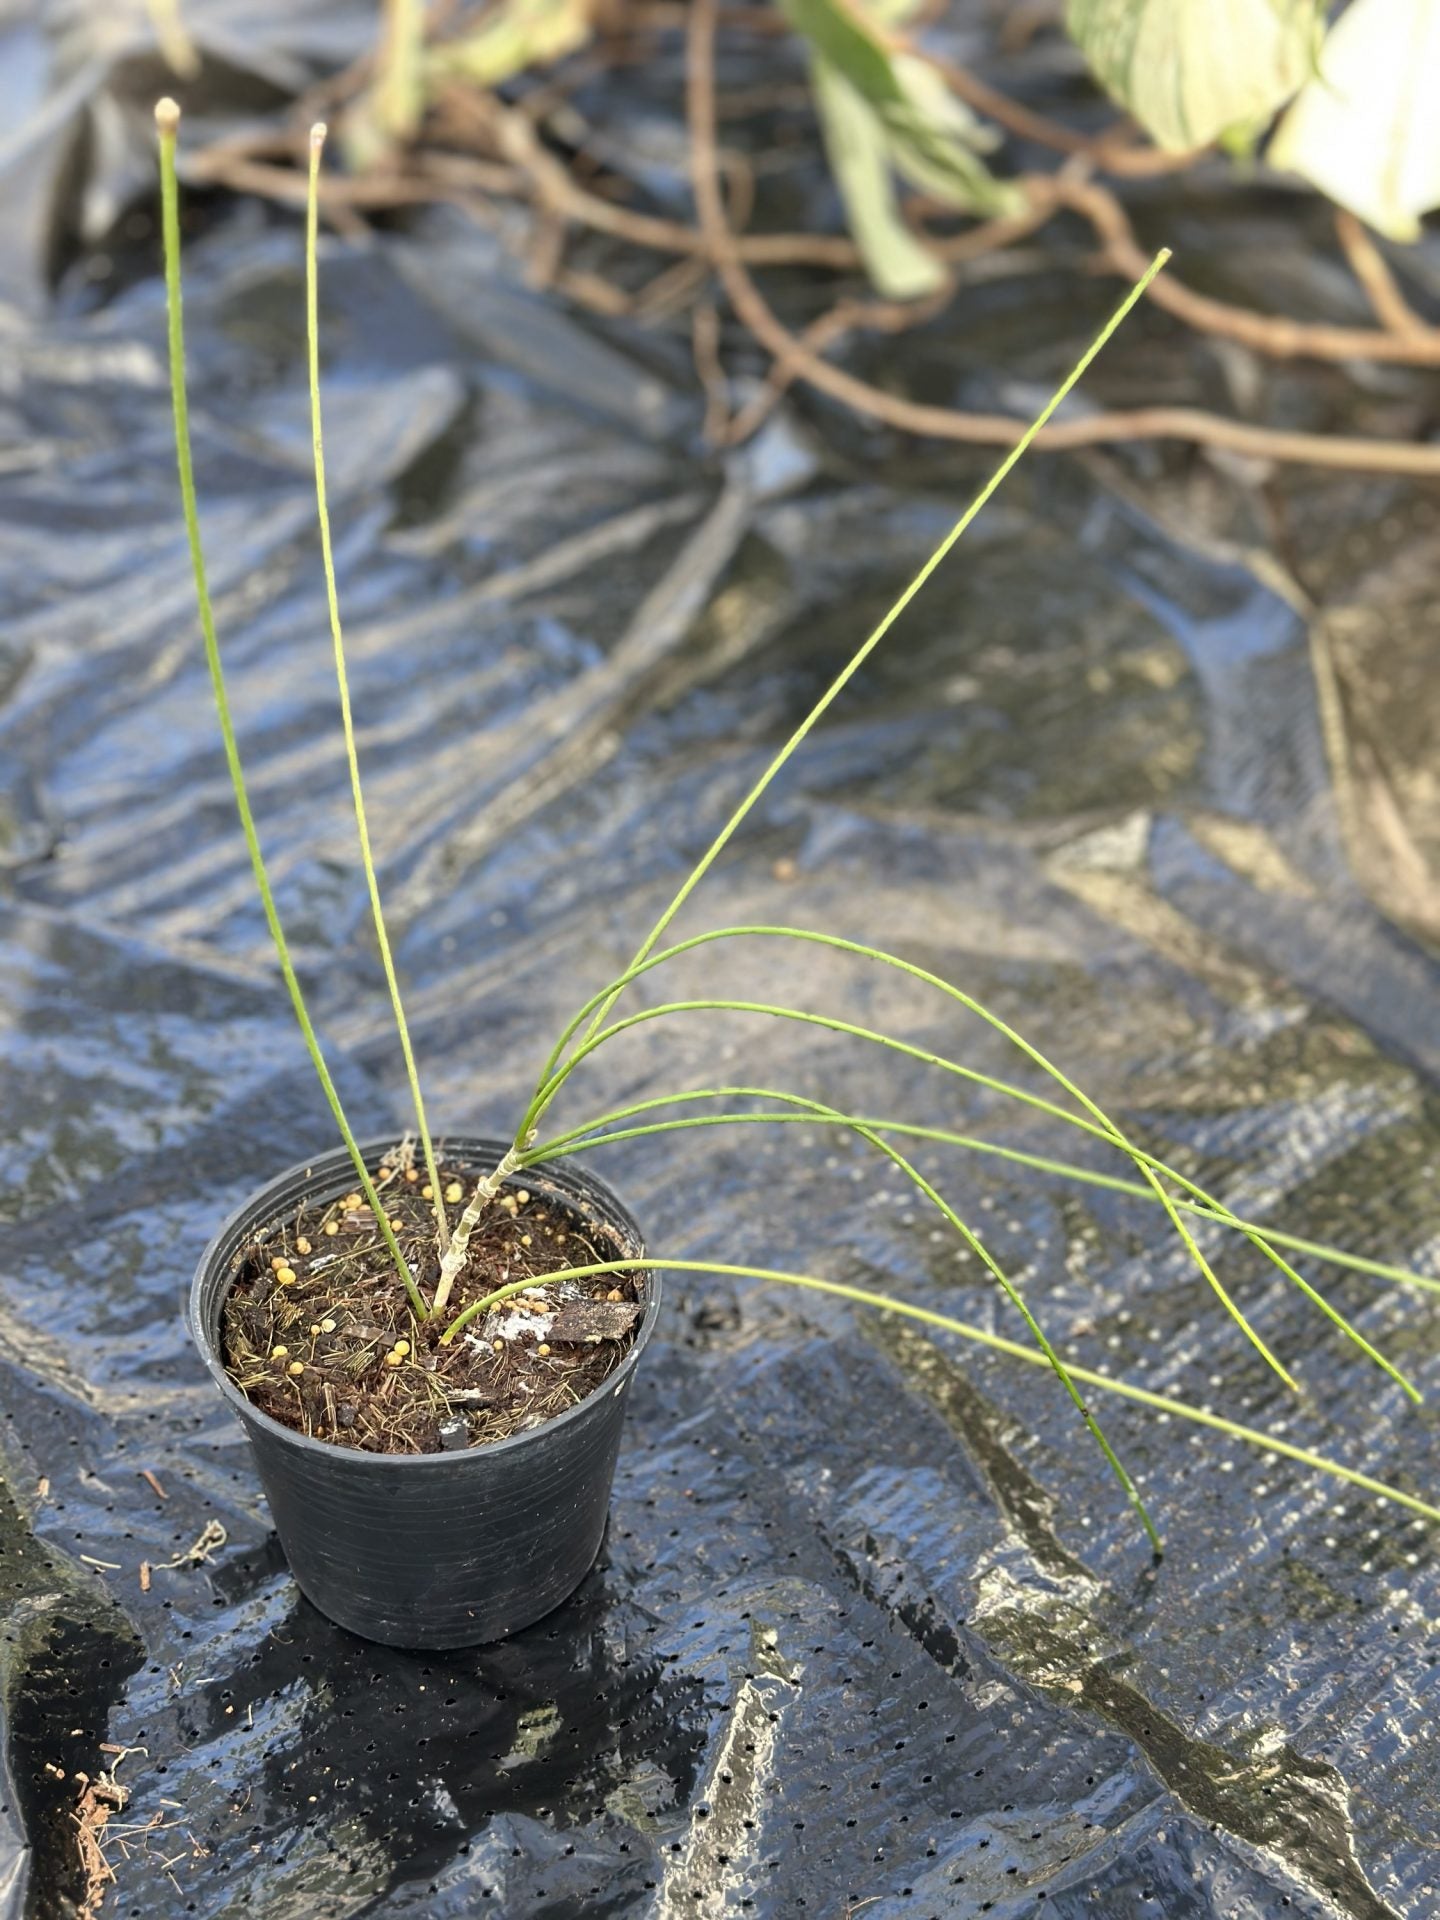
(483, 154)
(982, 429)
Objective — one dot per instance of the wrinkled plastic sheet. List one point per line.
(871, 1631)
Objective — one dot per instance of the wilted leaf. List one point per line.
(391, 109)
(936, 141)
(520, 34)
(859, 154)
(177, 49)
(1366, 129)
(850, 42)
(400, 79)
(884, 110)
(1190, 71)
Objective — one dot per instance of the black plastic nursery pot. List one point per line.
(442, 1549)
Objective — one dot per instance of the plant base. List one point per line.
(437, 1549)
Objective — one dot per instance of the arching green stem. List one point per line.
(1101, 1126)
(817, 1110)
(577, 1139)
(342, 678)
(873, 1130)
(923, 1054)
(859, 1296)
(167, 120)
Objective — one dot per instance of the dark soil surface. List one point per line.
(319, 1333)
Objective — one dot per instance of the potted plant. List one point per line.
(431, 1342)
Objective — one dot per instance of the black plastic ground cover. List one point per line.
(871, 1632)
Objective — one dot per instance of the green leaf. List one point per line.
(1366, 129)
(851, 44)
(883, 111)
(859, 152)
(936, 141)
(520, 34)
(400, 78)
(1191, 71)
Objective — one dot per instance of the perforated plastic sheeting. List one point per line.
(872, 1630)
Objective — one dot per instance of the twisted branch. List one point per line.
(983, 429)
(514, 162)
(453, 1258)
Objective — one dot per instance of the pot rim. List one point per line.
(304, 1170)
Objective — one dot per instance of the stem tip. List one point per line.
(317, 135)
(167, 115)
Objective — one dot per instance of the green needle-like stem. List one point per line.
(584, 1138)
(885, 1303)
(858, 659)
(342, 679)
(167, 120)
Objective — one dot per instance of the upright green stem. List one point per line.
(860, 1296)
(167, 120)
(602, 1004)
(342, 678)
(857, 660)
